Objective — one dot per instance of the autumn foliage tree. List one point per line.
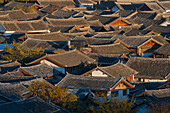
(72, 103)
(30, 9)
(160, 108)
(20, 53)
(57, 95)
(111, 105)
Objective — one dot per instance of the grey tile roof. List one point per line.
(31, 105)
(35, 25)
(165, 4)
(149, 67)
(58, 3)
(93, 83)
(118, 70)
(160, 29)
(12, 4)
(86, 1)
(70, 58)
(14, 77)
(14, 14)
(66, 22)
(95, 23)
(125, 13)
(46, 45)
(54, 36)
(163, 50)
(154, 6)
(41, 70)
(49, 8)
(64, 14)
(13, 91)
(147, 15)
(5, 17)
(63, 29)
(159, 93)
(110, 49)
(94, 41)
(19, 15)
(104, 20)
(146, 22)
(162, 95)
(135, 41)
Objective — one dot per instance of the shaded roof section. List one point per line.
(61, 28)
(82, 82)
(105, 58)
(41, 70)
(55, 36)
(9, 66)
(31, 105)
(149, 67)
(148, 15)
(163, 50)
(131, 6)
(118, 70)
(110, 49)
(104, 20)
(66, 22)
(13, 91)
(93, 41)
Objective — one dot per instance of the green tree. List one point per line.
(20, 53)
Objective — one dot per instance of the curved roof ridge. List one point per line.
(66, 19)
(23, 21)
(145, 58)
(45, 34)
(104, 45)
(36, 65)
(66, 52)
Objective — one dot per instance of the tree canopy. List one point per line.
(61, 97)
(20, 53)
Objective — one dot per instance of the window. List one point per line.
(115, 93)
(124, 92)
